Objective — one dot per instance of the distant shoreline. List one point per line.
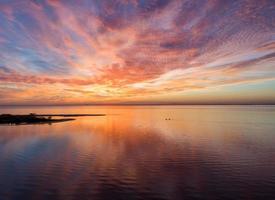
(33, 118)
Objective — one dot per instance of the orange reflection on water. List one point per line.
(135, 151)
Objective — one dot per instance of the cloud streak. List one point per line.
(98, 51)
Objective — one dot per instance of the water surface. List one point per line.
(203, 152)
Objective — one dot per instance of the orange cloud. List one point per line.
(118, 50)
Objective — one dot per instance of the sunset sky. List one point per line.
(137, 51)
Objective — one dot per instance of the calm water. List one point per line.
(203, 152)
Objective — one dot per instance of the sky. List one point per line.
(137, 52)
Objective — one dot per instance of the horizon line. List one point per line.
(145, 104)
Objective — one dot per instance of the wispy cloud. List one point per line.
(121, 49)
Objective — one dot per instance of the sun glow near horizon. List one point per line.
(160, 51)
